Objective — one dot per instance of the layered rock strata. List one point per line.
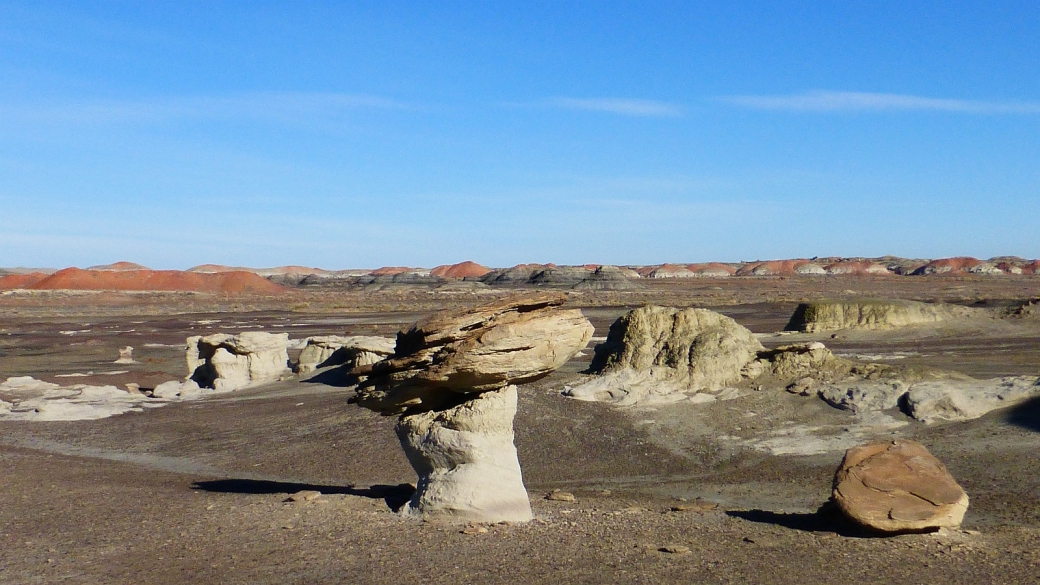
(870, 314)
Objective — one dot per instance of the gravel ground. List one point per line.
(197, 491)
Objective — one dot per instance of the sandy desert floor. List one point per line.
(199, 491)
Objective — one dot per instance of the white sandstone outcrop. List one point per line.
(348, 351)
(229, 362)
(466, 461)
(957, 400)
(28, 399)
(177, 389)
(451, 379)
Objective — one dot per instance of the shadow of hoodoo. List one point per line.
(1025, 415)
(395, 496)
(828, 518)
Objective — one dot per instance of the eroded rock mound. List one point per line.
(898, 486)
(229, 362)
(833, 315)
(959, 265)
(28, 399)
(347, 351)
(608, 278)
(705, 349)
(856, 268)
(658, 354)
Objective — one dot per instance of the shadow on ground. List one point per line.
(337, 377)
(394, 496)
(827, 519)
(1025, 415)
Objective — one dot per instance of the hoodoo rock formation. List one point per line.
(229, 362)
(452, 381)
(898, 487)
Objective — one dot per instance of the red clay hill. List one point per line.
(13, 281)
(157, 280)
(460, 270)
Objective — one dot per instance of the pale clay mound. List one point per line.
(835, 315)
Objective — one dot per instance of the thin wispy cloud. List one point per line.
(853, 101)
(620, 106)
(277, 107)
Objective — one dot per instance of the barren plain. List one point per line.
(728, 492)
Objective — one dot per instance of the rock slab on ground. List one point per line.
(898, 486)
(957, 400)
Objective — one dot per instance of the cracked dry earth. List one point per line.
(202, 492)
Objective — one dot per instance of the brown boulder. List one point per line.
(898, 486)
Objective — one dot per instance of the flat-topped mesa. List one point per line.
(452, 379)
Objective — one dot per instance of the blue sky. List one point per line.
(363, 134)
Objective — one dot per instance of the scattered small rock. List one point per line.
(126, 356)
(677, 549)
(699, 506)
(561, 496)
(304, 496)
(801, 386)
(474, 529)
